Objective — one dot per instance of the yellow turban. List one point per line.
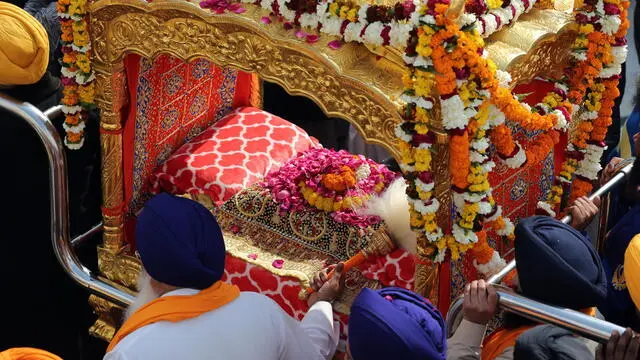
(27, 354)
(632, 269)
(24, 47)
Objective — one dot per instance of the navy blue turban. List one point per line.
(395, 323)
(180, 242)
(557, 264)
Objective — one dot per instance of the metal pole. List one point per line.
(40, 123)
(454, 315)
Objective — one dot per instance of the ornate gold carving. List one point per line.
(341, 87)
(119, 267)
(109, 317)
(425, 279)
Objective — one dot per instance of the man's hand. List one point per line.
(583, 211)
(480, 302)
(609, 170)
(623, 347)
(327, 289)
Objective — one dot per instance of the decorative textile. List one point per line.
(277, 253)
(24, 47)
(619, 307)
(550, 342)
(557, 265)
(632, 269)
(177, 308)
(27, 354)
(395, 323)
(237, 151)
(171, 102)
(180, 242)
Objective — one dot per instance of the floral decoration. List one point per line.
(493, 15)
(333, 181)
(77, 74)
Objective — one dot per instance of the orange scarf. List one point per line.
(502, 339)
(177, 308)
(27, 354)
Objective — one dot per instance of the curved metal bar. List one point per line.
(40, 123)
(454, 315)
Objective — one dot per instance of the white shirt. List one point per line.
(250, 327)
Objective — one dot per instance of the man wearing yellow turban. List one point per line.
(632, 271)
(27, 354)
(24, 47)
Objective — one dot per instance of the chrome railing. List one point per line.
(62, 247)
(585, 325)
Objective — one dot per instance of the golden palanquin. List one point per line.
(357, 83)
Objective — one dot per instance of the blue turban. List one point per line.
(180, 242)
(619, 307)
(395, 323)
(558, 265)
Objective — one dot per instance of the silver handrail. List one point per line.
(58, 187)
(454, 315)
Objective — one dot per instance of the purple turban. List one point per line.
(180, 242)
(395, 323)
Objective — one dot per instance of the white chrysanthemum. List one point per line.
(71, 109)
(463, 236)
(493, 266)
(466, 19)
(610, 24)
(508, 228)
(518, 159)
(67, 73)
(352, 32)
(74, 128)
(428, 19)
(505, 16)
(458, 200)
(83, 80)
(362, 13)
(83, 49)
(496, 215)
(423, 62)
(453, 113)
(476, 157)
(331, 25)
(321, 8)
(425, 146)
(373, 34)
(309, 20)
(496, 116)
(440, 256)
(488, 166)
(609, 71)
(423, 208)
(286, 13)
(600, 7)
(490, 25)
(363, 171)
(473, 197)
(484, 208)
(399, 34)
(562, 86)
(266, 4)
(589, 115)
(74, 146)
(504, 78)
(414, 19)
(519, 6)
(424, 186)
(480, 144)
(589, 166)
(546, 207)
(619, 53)
(579, 55)
(409, 60)
(401, 134)
(526, 106)
(434, 236)
(562, 123)
(407, 168)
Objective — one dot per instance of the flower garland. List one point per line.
(598, 53)
(493, 15)
(77, 74)
(333, 181)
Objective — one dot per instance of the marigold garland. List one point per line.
(77, 74)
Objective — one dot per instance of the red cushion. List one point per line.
(236, 152)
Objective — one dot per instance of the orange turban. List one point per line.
(24, 47)
(632, 269)
(27, 354)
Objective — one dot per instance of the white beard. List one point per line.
(145, 295)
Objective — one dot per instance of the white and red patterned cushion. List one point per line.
(233, 154)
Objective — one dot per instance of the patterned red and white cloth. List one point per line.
(234, 153)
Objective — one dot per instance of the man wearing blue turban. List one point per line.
(185, 311)
(556, 265)
(395, 323)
